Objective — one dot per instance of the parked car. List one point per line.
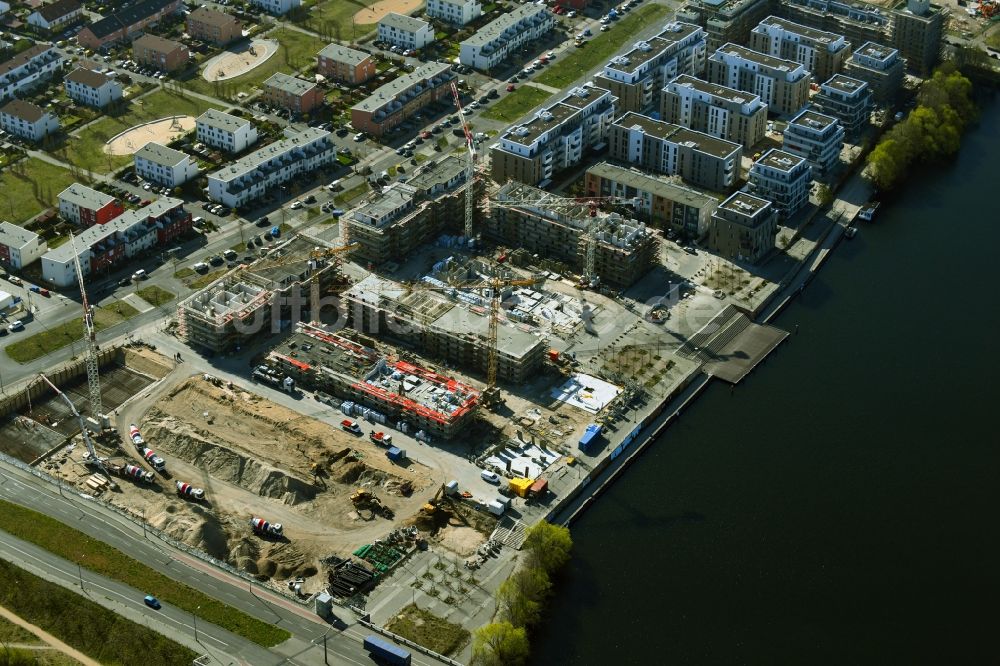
(296, 205)
(510, 87)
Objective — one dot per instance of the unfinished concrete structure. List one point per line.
(255, 299)
(398, 390)
(448, 323)
(530, 218)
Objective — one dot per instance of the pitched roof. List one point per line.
(339, 53)
(87, 77)
(18, 108)
(159, 154)
(289, 84)
(403, 22)
(58, 9)
(23, 58)
(212, 17)
(127, 16)
(157, 43)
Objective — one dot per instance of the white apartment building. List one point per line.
(822, 53)
(27, 69)
(817, 137)
(846, 99)
(27, 120)
(783, 179)
(225, 132)
(458, 12)
(90, 88)
(406, 32)
(253, 175)
(497, 39)
(277, 7)
(18, 246)
(164, 166)
(782, 84)
(723, 112)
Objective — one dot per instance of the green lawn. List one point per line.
(155, 296)
(516, 104)
(599, 49)
(29, 187)
(206, 279)
(14, 633)
(102, 559)
(427, 629)
(87, 149)
(57, 337)
(295, 51)
(351, 194)
(334, 19)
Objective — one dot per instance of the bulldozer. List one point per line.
(365, 499)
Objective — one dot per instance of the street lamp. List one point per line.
(195, 619)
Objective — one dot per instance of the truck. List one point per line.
(158, 463)
(188, 491)
(133, 472)
(133, 432)
(387, 652)
(590, 436)
(264, 528)
(395, 454)
(380, 438)
(351, 426)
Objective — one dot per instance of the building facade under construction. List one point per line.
(396, 389)
(259, 298)
(447, 323)
(526, 217)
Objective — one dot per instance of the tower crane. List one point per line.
(83, 430)
(90, 332)
(470, 167)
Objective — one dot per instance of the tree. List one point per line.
(886, 164)
(824, 195)
(549, 545)
(500, 644)
(520, 597)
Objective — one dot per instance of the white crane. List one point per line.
(470, 167)
(90, 332)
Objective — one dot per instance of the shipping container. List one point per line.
(389, 653)
(395, 454)
(590, 436)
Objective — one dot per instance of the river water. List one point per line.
(840, 505)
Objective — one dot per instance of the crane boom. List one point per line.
(83, 428)
(90, 332)
(470, 167)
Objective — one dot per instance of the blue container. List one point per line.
(388, 652)
(590, 435)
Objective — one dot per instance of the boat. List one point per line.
(867, 212)
(850, 232)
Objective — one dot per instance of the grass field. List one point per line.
(600, 48)
(87, 149)
(12, 633)
(206, 279)
(34, 187)
(77, 621)
(427, 629)
(101, 558)
(333, 19)
(516, 104)
(295, 50)
(57, 337)
(156, 296)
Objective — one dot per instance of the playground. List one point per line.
(161, 131)
(375, 13)
(231, 64)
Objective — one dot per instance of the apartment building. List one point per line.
(90, 88)
(276, 7)
(916, 32)
(126, 23)
(56, 16)
(19, 247)
(345, 65)
(86, 207)
(254, 175)
(846, 99)
(725, 113)
(406, 32)
(103, 247)
(28, 121)
(556, 138)
(725, 20)
(225, 132)
(495, 41)
(292, 93)
(781, 84)
(637, 76)
(743, 228)
(783, 179)
(881, 68)
(816, 137)
(626, 249)
(698, 158)
(661, 201)
(456, 12)
(822, 53)
(213, 26)
(163, 54)
(401, 98)
(164, 166)
(29, 68)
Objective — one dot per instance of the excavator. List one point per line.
(365, 499)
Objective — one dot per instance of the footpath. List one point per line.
(51, 641)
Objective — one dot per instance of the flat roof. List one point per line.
(780, 160)
(249, 163)
(495, 28)
(222, 121)
(819, 36)
(714, 89)
(288, 260)
(343, 54)
(876, 51)
(160, 154)
(743, 52)
(403, 22)
(392, 199)
(745, 204)
(813, 120)
(657, 185)
(391, 90)
(435, 174)
(677, 134)
(555, 114)
(644, 51)
(845, 83)
(289, 84)
(89, 198)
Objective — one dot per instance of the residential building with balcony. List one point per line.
(27, 120)
(636, 77)
(822, 53)
(56, 16)
(653, 145)
(816, 137)
(86, 207)
(90, 88)
(277, 7)
(406, 32)
(495, 41)
(725, 20)
(783, 179)
(163, 54)
(104, 247)
(662, 201)
(213, 26)
(164, 166)
(225, 132)
(19, 247)
(401, 98)
(743, 228)
(252, 176)
(126, 23)
(456, 12)
(857, 21)
(556, 138)
(846, 99)
(916, 31)
(781, 84)
(292, 93)
(725, 113)
(345, 65)
(881, 68)
(29, 68)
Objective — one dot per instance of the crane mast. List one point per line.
(470, 167)
(93, 378)
(83, 429)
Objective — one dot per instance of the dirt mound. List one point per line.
(271, 560)
(199, 531)
(184, 441)
(147, 362)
